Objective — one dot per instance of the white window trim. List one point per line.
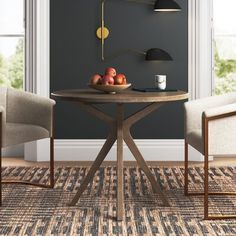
(38, 70)
(38, 47)
(200, 54)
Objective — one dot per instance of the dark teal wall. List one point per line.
(75, 56)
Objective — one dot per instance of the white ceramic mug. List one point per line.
(160, 82)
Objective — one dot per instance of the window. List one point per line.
(224, 46)
(12, 38)
(34, 54)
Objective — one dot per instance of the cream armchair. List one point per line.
(25, 117)
(210, 127)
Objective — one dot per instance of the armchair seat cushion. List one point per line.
(17, 133)
(194, 138)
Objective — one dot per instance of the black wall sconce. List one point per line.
(159, 6)
(152, 54)
(157, 54)
(166, 5)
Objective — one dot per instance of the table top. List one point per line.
(125, 96)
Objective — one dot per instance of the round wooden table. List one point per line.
(119, 130)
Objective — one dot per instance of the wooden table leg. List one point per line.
(143, 165)
(131, 120)
(101, 156)
(120, 131)
(119, 165)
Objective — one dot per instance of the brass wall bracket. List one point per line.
(102, 32)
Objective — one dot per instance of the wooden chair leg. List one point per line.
(51, 174)
(206, 214)
(52, 181)
(205, 136)
(186, 168)
(0, 176)
(1, 159)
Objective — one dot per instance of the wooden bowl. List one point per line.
(109, 88)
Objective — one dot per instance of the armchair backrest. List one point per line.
(26, 108)
(11, 100)
(17, 106)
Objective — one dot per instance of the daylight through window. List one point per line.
(224, 46)
(12, 38)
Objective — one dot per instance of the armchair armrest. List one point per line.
(218, 129)
(28, 108)
(193, 110)
(220, 112)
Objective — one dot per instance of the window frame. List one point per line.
(37, 47)
(200, 48)
(200, 54)
(38, 69)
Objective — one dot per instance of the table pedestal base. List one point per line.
(120, 131)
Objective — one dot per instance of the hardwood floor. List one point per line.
(19, 161)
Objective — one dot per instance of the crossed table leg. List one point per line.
(120, 130)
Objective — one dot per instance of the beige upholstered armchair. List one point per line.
(25, 117)
(210, 127)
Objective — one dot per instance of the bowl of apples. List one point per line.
(111, 82)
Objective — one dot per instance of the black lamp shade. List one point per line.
(166, 5)
(157, 54)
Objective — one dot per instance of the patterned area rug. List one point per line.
(29, 210)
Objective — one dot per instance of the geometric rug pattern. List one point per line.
(29, 210)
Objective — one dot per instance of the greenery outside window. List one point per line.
(12, 38)
(224, 46)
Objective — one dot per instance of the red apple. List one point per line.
(96, 79)
(110, 71)
(120, 79)
(107, 80)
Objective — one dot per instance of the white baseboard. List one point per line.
(87, 150)
(152, 150)
(37, 150)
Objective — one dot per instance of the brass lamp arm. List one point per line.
(137, 51)
(123, 51)
(142, 1)
(102, 29)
